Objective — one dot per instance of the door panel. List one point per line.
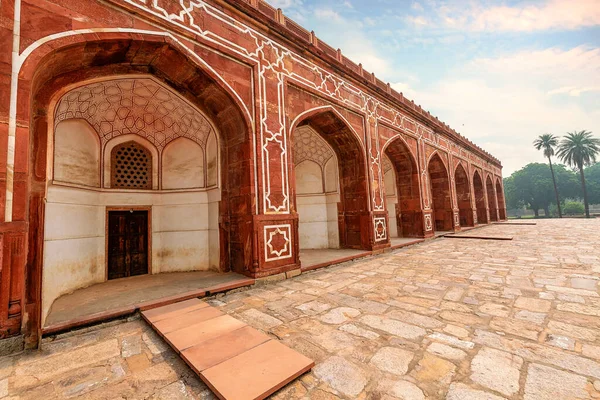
(127, 243)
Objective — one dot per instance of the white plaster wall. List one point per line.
(183, 165)
(391, 199)
(309, 178)
(212, 161)
(77, 153)
(184, 234)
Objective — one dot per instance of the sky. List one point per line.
(499, 72)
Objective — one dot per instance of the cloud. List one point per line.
(523, 17)
(503, 103)
(556, 14)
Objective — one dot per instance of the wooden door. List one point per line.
(127, 243)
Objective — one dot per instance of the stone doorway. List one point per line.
(127, 244)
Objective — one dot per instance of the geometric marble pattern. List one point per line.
(140, 106)
(309, 145)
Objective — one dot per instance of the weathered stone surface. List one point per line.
(444, 351)
(3, 388)
(535, 305)
(498, 310)
(174, 391)
(463, 344)
(574, 331)
(567, 290)
(538, 353)
(535, 317)
(457, 331)
(155, 344)
(260, 319)
(591, 351)
(545, 383)
(46, 368)
(393, 327)
(462, 318)
(358, 331)
(314, 307)
(405, 390)
(563, 342)
(412, 310)
(497, 370)
(340, 315)
(131, 346)
(460, 391)
(435, 373)
(516, 327)
(341, 375)
(392, 360)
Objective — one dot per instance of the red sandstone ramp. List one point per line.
(235, 360)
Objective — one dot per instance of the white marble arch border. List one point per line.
(317, 110)
(19, 58)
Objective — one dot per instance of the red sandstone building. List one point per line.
(147, 137)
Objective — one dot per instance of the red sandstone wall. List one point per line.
(264, 61)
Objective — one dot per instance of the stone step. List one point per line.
(235, 360)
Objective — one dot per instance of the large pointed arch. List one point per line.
(439, 185)
(491, 196)
(463, 196)
(408, 214)
(84, 58)
(479, 193)
(352, 172)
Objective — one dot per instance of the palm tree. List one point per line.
(548, 142)
(579, 149)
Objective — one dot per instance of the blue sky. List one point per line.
(499, 72)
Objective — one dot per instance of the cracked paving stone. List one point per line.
(340, 315)
(497, 370)
(392, 360)
(545, 383)
(342, 375)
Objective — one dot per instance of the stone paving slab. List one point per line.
(236, 361)
(445, 319)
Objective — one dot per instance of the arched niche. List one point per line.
(491, 195)
(118, 142)
(183, 165)
(56, 68)
(404, 173)
(76, 153)
(439, 185)
(479, 192)
(316, 188)
(463, 196)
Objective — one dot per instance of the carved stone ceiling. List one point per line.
(140, 106)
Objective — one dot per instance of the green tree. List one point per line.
(574, 208)
(579, 149)
(533, 187)
(593, 183)
(548, 142)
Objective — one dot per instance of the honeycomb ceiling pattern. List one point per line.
(308, 145)
(139, 106)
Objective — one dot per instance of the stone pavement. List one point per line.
(450, 318)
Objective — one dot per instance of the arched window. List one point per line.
(131, 167)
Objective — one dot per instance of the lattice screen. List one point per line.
(131, 167)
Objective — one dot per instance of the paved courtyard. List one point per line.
(447, 319)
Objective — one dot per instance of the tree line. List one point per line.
(545, 186)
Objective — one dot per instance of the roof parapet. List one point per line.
(369, 78)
